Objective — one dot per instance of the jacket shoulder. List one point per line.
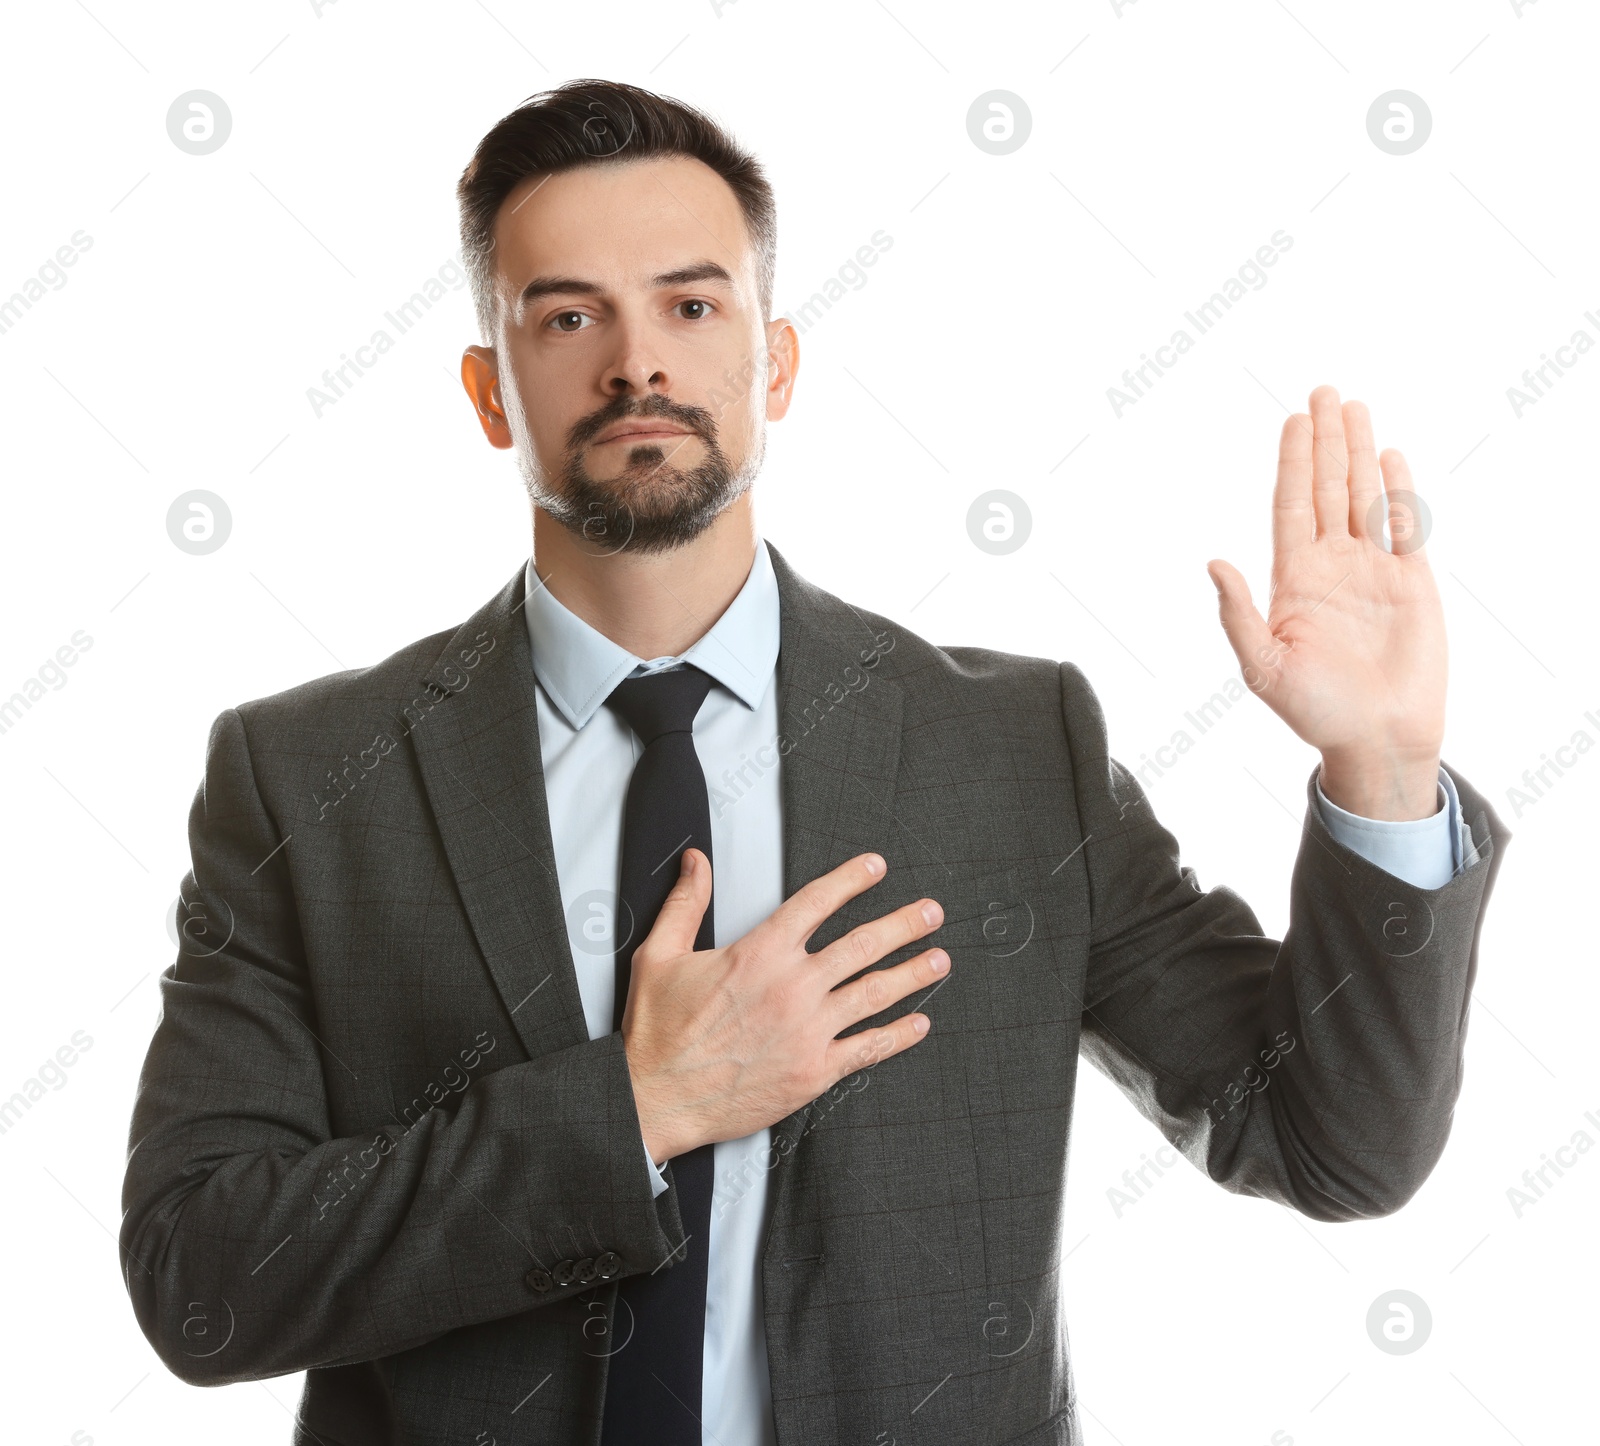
(932, 677)
(914, 655)
(939, 676)
(420, 673)
(391, 682)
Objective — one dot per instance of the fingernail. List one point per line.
(938, 961)
(920, 1024)
(688, 862)
(875, 865)
(932, 912)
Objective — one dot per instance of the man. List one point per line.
(549, 1055)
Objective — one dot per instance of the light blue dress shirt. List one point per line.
(588, 755)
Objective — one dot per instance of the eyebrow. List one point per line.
(569, 285)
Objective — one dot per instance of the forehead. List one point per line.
(618, 222)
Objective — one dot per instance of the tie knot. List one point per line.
(660, 703)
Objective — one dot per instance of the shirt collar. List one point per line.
(579, 666)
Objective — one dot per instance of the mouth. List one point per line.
(641, 432)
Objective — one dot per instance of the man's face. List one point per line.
(631, 352)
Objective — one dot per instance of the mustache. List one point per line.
(620, 409)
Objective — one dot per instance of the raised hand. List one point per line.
(1351, 654)
(723, 1042)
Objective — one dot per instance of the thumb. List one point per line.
(674, 930)
(1246, 629)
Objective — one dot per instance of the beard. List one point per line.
(651, 505)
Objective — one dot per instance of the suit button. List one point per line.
(608, 1266)
(539, 1278)
(584, 1271)
(563, 1273)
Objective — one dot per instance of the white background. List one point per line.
(1169, 143)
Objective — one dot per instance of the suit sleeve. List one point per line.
(1320, 1071)
(254, 1243)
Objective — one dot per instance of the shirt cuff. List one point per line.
(1426, 852)
(658, 1181)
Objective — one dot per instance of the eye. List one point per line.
(559, 320)
(704, 311)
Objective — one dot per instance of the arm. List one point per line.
(245, 1220)
(1319, 1072)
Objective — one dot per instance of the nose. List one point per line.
(635, 368)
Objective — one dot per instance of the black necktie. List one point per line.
(653, 1386)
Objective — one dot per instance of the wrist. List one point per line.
(1387, 787)
(657, 1138)
(660, 1127)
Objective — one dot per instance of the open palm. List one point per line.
(1351, 654)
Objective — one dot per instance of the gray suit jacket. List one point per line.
(373, 1140)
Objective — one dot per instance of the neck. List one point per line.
(653, 604)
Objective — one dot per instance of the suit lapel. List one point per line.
(478, 750)
(840, 720)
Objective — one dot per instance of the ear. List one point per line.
(783, 362)
(480, 375)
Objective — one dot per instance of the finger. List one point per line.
(861, 1051)
(1293, 524)
(1366, 482)
(676, 926)
(1330, 465)
(879, 988)
(867, 943)
(1406, 528)
(802, 913)
(1252, 640)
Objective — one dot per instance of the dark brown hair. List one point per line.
(595, 122)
